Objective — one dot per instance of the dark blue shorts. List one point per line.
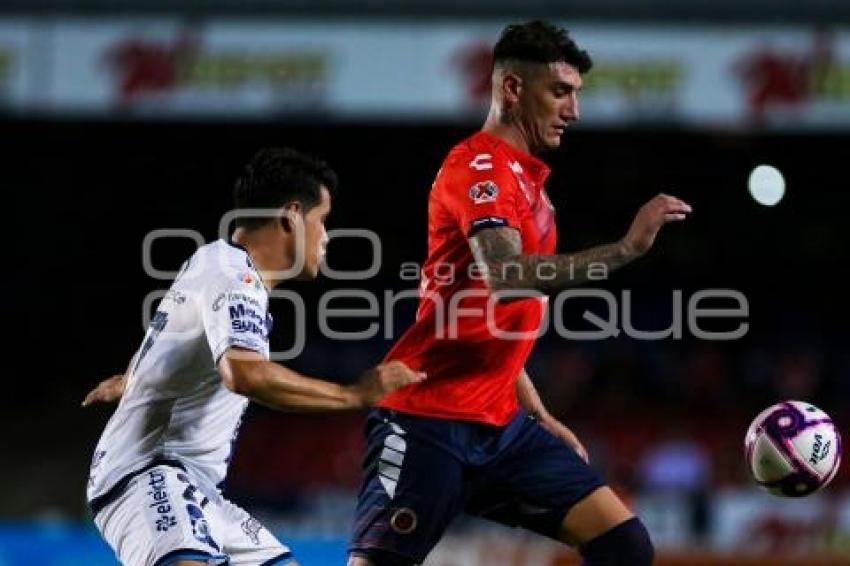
(420, 472)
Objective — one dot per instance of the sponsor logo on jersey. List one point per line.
(483, 192)
(160, 502)
(243, 318)
(237, 296)
(234, 296)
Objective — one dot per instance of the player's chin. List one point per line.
(553, 141)
(310, 271)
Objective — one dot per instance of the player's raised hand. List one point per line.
(107, 391)
(384, 379)
(649, 220)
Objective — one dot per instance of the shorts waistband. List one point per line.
(101, 501)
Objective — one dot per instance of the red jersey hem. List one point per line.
(466, 417)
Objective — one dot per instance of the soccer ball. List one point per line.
(793, 449)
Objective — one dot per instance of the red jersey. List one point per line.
(471, 347)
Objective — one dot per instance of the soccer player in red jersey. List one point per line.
(475, 436)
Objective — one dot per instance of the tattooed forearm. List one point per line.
(499, 252)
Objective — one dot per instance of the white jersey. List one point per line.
(175, 406)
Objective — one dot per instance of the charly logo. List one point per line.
(218, 302)
(252, 528)
(482, 162)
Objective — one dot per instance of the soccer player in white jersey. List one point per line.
(153, 486)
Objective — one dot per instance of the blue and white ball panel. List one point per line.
(793, 448)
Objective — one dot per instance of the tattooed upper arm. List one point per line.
(493, 247)
(499, 253)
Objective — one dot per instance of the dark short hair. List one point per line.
(277, 175)
(540, 42)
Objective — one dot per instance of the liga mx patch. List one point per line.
(249, 279)
(483, 192)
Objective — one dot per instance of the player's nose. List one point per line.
(571, 109)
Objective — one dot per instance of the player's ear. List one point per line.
(289, 214)
(511, 87)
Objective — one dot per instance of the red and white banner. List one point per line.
(729, 78)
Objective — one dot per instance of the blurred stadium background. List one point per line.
(122, 117)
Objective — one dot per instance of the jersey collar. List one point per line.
(248, 259)
(536, 169)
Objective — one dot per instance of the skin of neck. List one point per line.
(264, 248)
(509, 130)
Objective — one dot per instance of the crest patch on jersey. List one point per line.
(403, 521)
(483, 192)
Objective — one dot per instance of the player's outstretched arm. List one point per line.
(530, 400)
(107, 391)
(111, 389)
(499, 252)
(248, 373)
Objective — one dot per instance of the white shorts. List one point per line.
(164, 516)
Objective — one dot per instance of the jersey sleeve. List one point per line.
(481, 191)
(235, 313)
